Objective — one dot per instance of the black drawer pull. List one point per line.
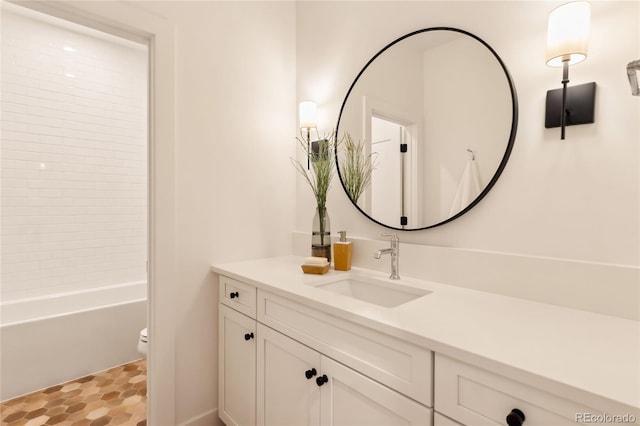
(515, 417)
(310, 373)
(248, 336)
(322, 380)
(234, 294)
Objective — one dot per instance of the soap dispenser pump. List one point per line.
(342, 253)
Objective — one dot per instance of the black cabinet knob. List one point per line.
(515, 417)
(248, 336)
(234, 294)
(322, 380)
(310, 373)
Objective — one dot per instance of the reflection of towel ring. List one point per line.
(473, 155)
(632, 72)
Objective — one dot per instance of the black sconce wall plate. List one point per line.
(316, 151)
(581, 100)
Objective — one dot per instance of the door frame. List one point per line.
(133, 22)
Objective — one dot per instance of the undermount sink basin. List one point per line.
(371, 290)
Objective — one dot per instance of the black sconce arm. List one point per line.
(633, 68)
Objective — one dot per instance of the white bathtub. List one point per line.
(49, 340)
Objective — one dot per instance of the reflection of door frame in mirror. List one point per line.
(412, 126)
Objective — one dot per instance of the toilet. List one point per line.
(143, 343)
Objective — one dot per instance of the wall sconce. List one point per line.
(307, 115)
(567, 43)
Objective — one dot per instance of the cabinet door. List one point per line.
(349, 398)
(285, 395)
(237, 368)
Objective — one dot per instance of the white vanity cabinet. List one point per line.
(287, 358)
(299, 386)
(283, 363)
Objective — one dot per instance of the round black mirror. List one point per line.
(436, 112)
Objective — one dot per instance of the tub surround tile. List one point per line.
(117, 396)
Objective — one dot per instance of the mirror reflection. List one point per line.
(437, 110)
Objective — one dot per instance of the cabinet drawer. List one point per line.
(474, 396)
(238, 295)
(400, 365)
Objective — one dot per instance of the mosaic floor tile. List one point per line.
(117, 396)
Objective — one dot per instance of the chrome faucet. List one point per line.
(394, 251)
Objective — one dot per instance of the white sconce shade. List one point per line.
(307, 115)
(568, 33)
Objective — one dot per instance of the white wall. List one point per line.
(235, 128)
(74, 157)
(577, 199)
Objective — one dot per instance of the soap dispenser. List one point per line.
(342, 253)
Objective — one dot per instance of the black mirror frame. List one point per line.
(512, 134)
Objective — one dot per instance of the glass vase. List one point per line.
(321, 234)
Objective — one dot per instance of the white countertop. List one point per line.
(587, 357)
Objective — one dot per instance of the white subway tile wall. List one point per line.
(74, 157)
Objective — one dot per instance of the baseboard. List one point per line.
(209, 418)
